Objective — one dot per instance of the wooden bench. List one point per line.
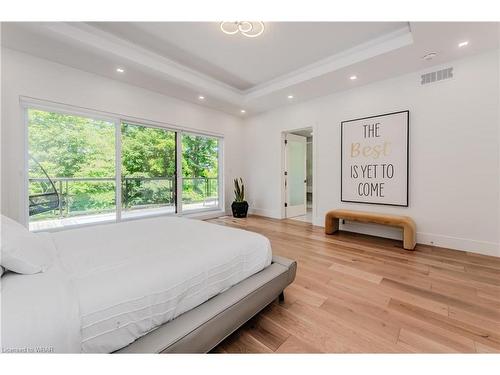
(405, 222)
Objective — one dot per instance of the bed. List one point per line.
(153, 285)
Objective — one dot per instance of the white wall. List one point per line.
(25, 75)
(454, 165)
(454, 141)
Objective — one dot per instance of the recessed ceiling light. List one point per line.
(201, 97)
(463, 44)
(243, 111)
(290, 96)
(120, 70)
(429, 56)
(352, 78)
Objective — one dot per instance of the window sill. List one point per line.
(203, 214)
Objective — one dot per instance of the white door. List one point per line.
(295, 175)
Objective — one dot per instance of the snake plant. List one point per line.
(239, 190)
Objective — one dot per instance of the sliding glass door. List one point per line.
(76, 162)
(148, 170)
(200, 172)
(71, 170)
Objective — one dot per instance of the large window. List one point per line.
(71, 170)
(85, 170)
(148, 170)
(200, 171)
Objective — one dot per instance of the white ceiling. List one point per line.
(306, 59)
(245, 62)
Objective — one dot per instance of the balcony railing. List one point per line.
(95, 195)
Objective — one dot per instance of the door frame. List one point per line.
(314, 128)
(299, 209)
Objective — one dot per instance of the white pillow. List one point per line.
(22, 251)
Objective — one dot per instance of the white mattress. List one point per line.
(131, 277)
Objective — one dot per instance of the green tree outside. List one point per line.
(77, 147)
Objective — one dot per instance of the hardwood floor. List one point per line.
(357, 293)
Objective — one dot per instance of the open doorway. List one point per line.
(298, 174)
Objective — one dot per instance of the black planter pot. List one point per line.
(240, 209)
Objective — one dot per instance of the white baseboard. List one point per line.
(433, 239)
(465, 244)
(266, 213)
(318, 221)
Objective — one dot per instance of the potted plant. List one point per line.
(240, 205)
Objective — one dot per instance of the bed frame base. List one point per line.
(281, 297)
(203, 328)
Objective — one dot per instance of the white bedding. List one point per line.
(40, 313)
(131, 277)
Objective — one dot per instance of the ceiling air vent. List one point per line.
(437, 76)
